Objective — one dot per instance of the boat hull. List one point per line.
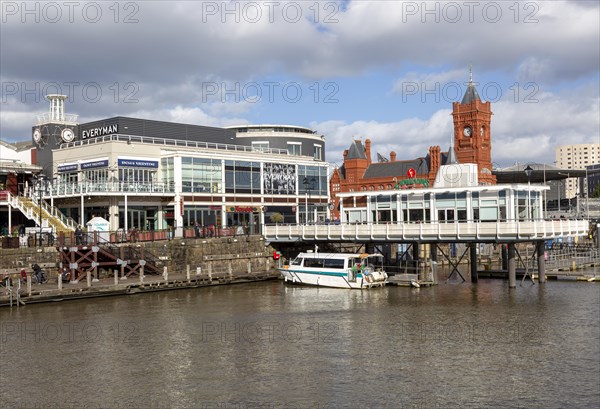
(334, 280)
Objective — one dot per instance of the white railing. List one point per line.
(398, 232)
(76, 189)
(171, 142)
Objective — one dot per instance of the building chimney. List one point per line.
(368, 150)
(392, 156)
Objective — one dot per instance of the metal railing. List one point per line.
(30, 205)
(73, 189)
(171, 142)
(402, 231)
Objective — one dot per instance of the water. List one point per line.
(271, 345)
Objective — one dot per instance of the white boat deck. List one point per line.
(481, 232)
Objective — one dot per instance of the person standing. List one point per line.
(78, 235)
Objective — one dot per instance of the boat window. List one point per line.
(333, 263)
(296, 262)
(313, 262)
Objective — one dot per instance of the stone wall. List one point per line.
(218, 255)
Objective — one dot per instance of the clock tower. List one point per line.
(472, 133)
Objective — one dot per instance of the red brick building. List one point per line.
(472, 144)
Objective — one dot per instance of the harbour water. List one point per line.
(272, 345)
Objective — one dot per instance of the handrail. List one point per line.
(171, 142)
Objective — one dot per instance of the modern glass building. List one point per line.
(150, 175)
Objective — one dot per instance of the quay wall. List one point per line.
(217, 255)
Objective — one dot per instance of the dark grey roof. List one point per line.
(356, 151)
(398, 168)
(540, 173)
(471, 94)
(450, 157)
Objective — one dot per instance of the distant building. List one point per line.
(472, 145)
(576, 157)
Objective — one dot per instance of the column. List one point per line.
(512, 271)
(541, 261)
(473, 254)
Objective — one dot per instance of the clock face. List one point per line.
(468, 131)
(67, 135)
(37, 135)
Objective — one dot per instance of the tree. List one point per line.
(596, 192)
(276, 218)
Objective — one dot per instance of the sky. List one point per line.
(384, 70)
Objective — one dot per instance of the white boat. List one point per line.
(340, 270)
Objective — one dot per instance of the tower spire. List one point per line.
(471, 73)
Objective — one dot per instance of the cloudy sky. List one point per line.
(385, 70)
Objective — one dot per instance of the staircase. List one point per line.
(30, 207)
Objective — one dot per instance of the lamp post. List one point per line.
(528, 171)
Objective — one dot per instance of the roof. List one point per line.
(471, 94)
(541, 173)
(397, 168)
(356, 151)
(450, 157)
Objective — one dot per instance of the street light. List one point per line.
(528, 171)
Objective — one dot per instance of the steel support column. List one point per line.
(541, 261)
(512, 266)
(473, 251)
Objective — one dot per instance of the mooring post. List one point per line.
(165, 273)
(187, 273)
(210, 271)
(230, 270)
(59, 280)
(541, 261)
(29, 285)
(142, 275)
(249, 267)
(116, 275)
(473, 253)
(512, 266)
(88, 276)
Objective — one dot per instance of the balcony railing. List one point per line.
(171, 142)
(492, 231)
(75, 189)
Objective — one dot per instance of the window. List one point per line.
(201, 175)
(261, 146)
(318, 152)
(294, 148)
(242, 177)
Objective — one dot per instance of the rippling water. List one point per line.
(271, 345)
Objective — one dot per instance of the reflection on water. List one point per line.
(271, 345)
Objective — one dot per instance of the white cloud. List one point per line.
(521, 132)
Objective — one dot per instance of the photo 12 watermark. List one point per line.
(270, 91)
(478, 333)
(52, 12)
(269, 332)
(68, 332)
(452, 91)
(90, 92)
(320, 12)
(459, 12)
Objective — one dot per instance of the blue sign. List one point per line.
(138, 163)
(66, 168)
(95, 164)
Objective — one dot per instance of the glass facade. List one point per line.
(201, 175)
(242, 177)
